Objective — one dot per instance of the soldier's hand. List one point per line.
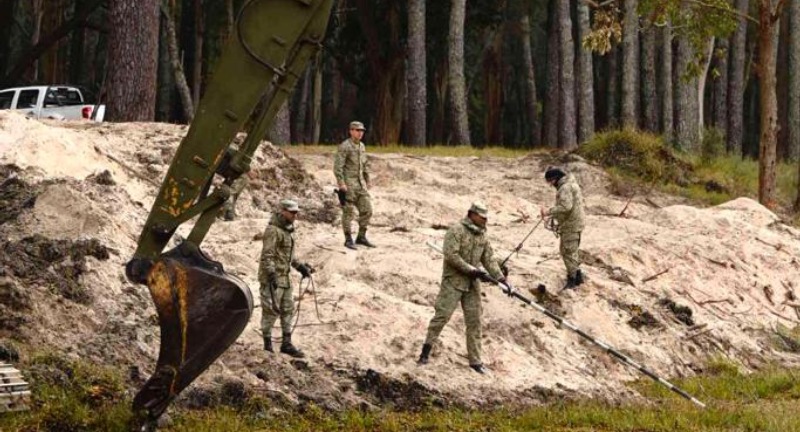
(305, 270)
(343, 187)
(510, 287)
(504, 270)
(480, 275)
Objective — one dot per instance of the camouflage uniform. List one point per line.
(568, 212)
(352, 169)
(276, 259)
(229, 208)
(465, 248)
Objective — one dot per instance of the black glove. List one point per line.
(504, 270)
(272, 281)
(511, 288)
(480, 274)
(342, 196)
(305, 270)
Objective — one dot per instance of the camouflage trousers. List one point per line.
(229, 208)
(356, 199)
(570, 243)
(446, 304)
(275, 303)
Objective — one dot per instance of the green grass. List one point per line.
(436, 151)
(76, 396)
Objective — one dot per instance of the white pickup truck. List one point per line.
(51, 102)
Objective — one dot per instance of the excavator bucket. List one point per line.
(201, 312)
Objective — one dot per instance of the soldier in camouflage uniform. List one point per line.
(352, 175)
(568, 213)
(277, 256)
(465, 248)
(229, 208)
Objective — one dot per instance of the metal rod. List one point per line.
(519, 246)
(606, 347)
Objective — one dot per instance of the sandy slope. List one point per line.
(735, 266)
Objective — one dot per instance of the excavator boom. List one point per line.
(201, 309)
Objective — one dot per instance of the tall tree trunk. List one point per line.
(440, 97)
(585, 75)
(630, 64)
(686, 109)
(719, 117)
(458, 91)
(649, 102)
(736, 83)
(568, 134)
(300, 109)
(782, 84)
(77, 62)
(316, 111)
(613, 99)
(175, 61)
(667, 100)
(701, 88)
(417, 74)
(197, 65)
(794, 84)
(37, 14)
(133, 56)
(166, 78)
(493, 84)
(6, 21)
(552, 92)
(531, 117)
(769, 105)
(281, 133)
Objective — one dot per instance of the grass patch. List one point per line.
(435, 151)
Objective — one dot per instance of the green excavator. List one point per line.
(201, 309)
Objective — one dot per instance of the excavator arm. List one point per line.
(201, 309)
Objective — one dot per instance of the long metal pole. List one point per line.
(606, 347)
(519, 246)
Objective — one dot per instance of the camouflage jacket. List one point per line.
(568, 210)
(277, 254)
(351, 166)
(465, 248)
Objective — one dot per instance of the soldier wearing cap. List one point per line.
(466, 247)
(277, 256)
(569, 217)
(229, 208)
(351, 169)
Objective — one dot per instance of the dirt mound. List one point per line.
(729, 273)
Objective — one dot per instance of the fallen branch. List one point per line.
(624, 209)
(128, 168)
(700, 333)
(655, 276)
(652, 203)
(330, 249)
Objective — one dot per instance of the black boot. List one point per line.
(579, 278)
(570, 283)
(268, 344)
(426, 352)
(478, 368)
(362, 239)
(348, 242)
(289, 349)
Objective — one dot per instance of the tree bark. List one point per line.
(417, 74)
(736, 83)
(794, 84)
(493, 83)
(667, 100)
(649, 102)
(552, 92)
(768, 99)
(585, 77)
(455, 55)
(316, 108)
(701, 88)
(281, 133)
(567, 135)
(174, 58)
(719, 117)
(531, 117)
(197, 64)
(300, 108)
(630, 64)
(133, 55)
(686, 109)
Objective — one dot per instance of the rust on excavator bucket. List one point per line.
(201, 312)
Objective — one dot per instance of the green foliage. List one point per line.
(639, 154)
(712, 145)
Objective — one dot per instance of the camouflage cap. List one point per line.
(290, 205)
(357, 125)
(479, 208)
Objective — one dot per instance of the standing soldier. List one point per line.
(568, 215)
(273, 274)
(465, 248)
(229, 208)
(352, 175)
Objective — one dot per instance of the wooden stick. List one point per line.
(653, 277)
(330, 249)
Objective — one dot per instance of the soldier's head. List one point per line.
(289, 210)
(478, 213)
(553, 175)
(357, 131)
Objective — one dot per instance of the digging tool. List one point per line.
(519, 246)
(511, 292)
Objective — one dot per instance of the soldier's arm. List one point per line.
(268, 249)
(564, 203)
(451, 249)
(366, 166)
(338, 164)
(490, 264)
